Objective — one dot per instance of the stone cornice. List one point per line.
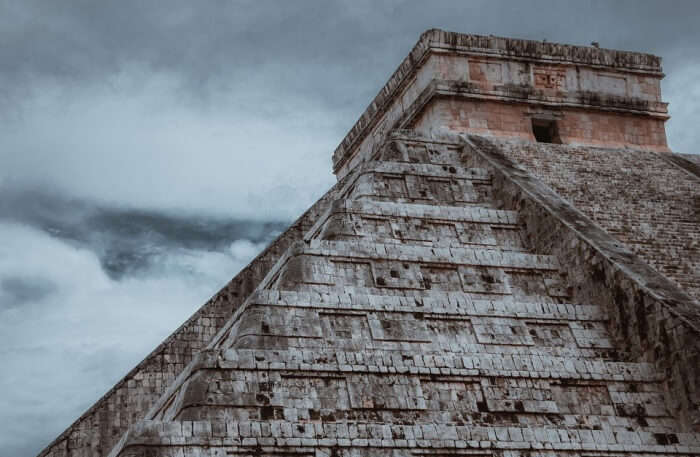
(544, 51)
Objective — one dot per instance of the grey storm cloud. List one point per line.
(19, 290)
(149, 149)
(318, 48)
(235, 106)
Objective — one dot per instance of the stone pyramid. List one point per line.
(441, 299)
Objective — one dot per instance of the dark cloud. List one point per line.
(16, 291)
(318, 48)
(148, 151)
(223, 106)
(129, 241)
(86, 291)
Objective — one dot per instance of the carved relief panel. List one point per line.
(460, 397)
(518, 396)
(385, 392)
(394, 274)
(338, 327)
(549, 77)
(408, 152)
(397, 327)
(418, 188)
(441, 277)
(493, 330)
(582, 399)
(485, 71)
(484, 280)
(451, 335)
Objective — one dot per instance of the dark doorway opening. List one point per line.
(545, 131)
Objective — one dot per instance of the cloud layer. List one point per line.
(147, 152)
(86, 292)
(227, 106)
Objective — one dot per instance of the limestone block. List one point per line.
(501, 331)
(484, 280)
(385, 392)
(389, 328)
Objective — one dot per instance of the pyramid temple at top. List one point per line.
(508, 265)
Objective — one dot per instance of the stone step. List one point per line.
(425, 169)
(476, 214)
(434, 302)
(241, 384)
(390, 222)
(383, 268)
(419, 183)
(461, 440)
(416, 363)
(413, 149)
(472, 256)
(284, 327)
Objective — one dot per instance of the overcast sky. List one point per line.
(148, 150)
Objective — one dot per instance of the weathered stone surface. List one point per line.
(494, 85)
(651, 317)
(491, 346)
(101, 426)
(636, 196)
(464, 295)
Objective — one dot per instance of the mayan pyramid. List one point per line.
(509, 265)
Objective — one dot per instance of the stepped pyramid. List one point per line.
(506, 267)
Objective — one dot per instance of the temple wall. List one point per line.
(608, 98)
(575, 126)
